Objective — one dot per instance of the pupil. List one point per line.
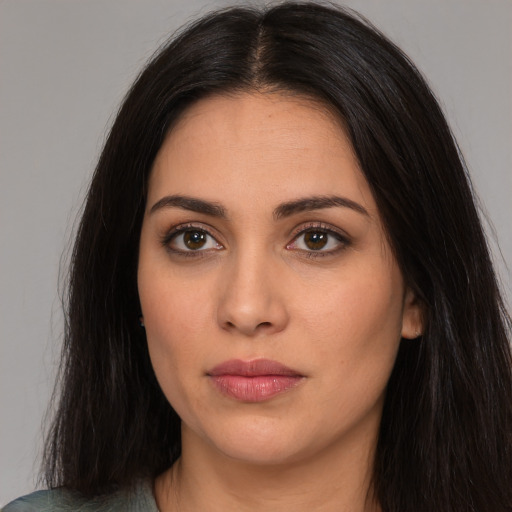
(316, 240)
(194, 239)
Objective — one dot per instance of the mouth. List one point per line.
(253, 381)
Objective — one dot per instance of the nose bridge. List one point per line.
(250, 301)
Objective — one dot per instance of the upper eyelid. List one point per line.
(293, 234)
(184, 226)
(307, 226)
(179, 230)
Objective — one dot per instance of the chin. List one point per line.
(272, 452)
(260, 441)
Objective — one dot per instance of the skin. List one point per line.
(256, 289)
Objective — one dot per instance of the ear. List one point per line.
(412, 316)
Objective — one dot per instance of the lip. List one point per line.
(253, 381)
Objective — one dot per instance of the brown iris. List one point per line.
(194, 239)
(315, 240)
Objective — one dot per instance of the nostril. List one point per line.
(260, 326)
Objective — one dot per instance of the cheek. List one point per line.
(173, 326)
(356, 308)
(356, 327)
(356, 338)
(172, 305)
(174, 316)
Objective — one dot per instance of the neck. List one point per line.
(204, 479)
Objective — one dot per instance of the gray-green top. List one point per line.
(139, 499)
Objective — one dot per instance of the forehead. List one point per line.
(249, 144)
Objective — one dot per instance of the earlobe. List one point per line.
(412, 317)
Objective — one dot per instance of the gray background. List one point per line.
(64, 67)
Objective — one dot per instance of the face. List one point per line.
(272, 303)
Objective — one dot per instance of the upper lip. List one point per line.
(254, 368)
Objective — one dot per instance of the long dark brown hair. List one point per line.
(445, 442)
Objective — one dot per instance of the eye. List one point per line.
(190, 239)
(318, 240)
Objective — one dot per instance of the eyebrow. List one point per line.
(317, 203)
(283, 210)
(190, 203)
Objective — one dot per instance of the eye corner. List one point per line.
(190, 240)
(330, 241)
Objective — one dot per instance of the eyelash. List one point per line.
(342, 239)
(319, 227)
(181, 229)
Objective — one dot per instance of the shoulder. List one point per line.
(57, 499)
(140, 499)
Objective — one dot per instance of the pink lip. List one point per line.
(253, 381)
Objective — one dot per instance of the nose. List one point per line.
(252, 300)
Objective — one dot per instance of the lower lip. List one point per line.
(254, 389)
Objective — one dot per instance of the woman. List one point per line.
(281, 295)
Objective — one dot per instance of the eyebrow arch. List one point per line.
(190, 203)
(317, 203)
(283, 210)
